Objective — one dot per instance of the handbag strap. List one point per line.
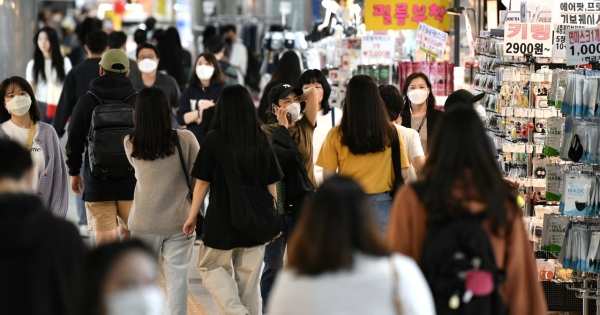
(29, 143)
(397, 161)
(395, 293)
(332, 117)
(182, 161)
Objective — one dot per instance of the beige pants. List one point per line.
(232, 277)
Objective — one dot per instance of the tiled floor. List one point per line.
(200, 302)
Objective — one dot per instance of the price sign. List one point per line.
(431, 40)
(533, 39)
(583, 46)
(378, 46)
(558, 40)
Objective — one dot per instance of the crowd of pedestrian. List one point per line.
(353, 194)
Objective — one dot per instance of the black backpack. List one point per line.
(111, 121)
(453, 248)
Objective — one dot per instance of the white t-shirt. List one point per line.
(324, 124)
(20, 135)
(365, 289)
(412, 143)
(47, 91)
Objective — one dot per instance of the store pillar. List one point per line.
(16, 45)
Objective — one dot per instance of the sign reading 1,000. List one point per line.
(583, 45)
(588, 49)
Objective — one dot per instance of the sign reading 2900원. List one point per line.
(383, 15)
(583, 46)
(528, 38)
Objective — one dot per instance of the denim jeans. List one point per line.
(382, 203)
(274, 259)
(176, 252)
(81, 214)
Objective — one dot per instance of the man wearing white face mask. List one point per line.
(148, 57)
(292, 139)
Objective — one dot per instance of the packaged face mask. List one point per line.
(554, 132)
(591, 147)
(576, 195)
(575, 149)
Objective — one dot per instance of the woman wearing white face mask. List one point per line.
(148, 57)
(120, 279)
(419, 111)
(198, 99)
(20, 121)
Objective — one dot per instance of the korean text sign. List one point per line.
(431, 40)
(559, 43)
(524, 38)
(583, 45)
(378, 46)
(583, 8)
(383, 15)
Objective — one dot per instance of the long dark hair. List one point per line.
(235, 118)
(392, 99)
(172, 52)
(217, 77)
(34, 110)
(430, 98)
(313, 76)
(152, 137)
(460, 157)
(97, 267)
(335, 223)
(287, 71)
(58, 62)
(365, 125)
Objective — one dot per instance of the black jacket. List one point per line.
(110, 86)
(433, 116)
(76, 84)
(295, 175)
(189, 102)
(41, 258)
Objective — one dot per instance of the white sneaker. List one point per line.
(83, 231)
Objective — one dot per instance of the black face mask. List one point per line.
(228, 40)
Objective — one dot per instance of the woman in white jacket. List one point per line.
(46, 72)
(339, 265)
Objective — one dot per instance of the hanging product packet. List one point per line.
(584, 248)
(553, 234)
(592, 252)
(576, 195)
(564, 255)
(553, 136)
(568, 97)
(567, 137)
(591, 152)
(577, 110)
(554, 180)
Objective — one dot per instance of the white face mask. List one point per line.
(204, 72)
(143, 300)
(147, 65)
(294, 110)
(418, 97)
(19, 105)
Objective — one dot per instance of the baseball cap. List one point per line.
(463, 96)
(115, 61)
(282, 90)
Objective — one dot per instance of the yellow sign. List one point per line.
(383, 15)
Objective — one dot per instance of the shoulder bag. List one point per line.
(184, 168)
(396, 163)
(253, 210)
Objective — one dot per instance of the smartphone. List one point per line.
(288, 115)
